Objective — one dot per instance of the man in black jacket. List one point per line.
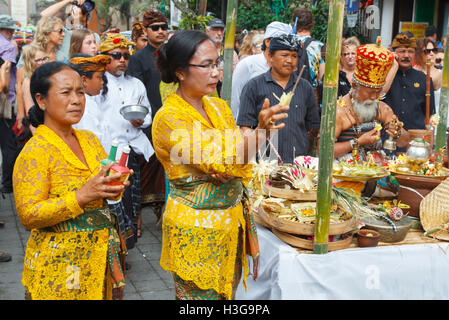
(142, 64)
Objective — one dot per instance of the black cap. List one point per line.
(217, 23)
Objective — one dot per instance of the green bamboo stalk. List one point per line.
(327, 131)
(228, 51)
(440, 140)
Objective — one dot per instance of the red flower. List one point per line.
(116, 41)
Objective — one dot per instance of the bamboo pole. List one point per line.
(327, 130)
(228, 51)
(428, 93)
(444, 100)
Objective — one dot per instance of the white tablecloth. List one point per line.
(386, 272)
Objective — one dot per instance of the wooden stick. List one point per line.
(428, 93)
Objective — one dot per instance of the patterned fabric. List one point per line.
(91, 64)
(111, 41)
(372, 65)
(69, 264)
(200, 245)
(187, 290)
(315, 59)
(200, 193)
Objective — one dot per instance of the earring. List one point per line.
(43, 108)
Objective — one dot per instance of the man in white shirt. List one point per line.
(254, 65)
(122, 90)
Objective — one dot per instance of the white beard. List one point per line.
(366, 110)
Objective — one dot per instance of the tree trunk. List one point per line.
(327, 131)
(444, 101)
(231, 19)
(202, 7)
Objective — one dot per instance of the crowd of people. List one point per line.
(61, 97)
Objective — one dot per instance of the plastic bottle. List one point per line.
(121, 168)
(112, 154)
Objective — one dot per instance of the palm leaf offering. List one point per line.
(286, 98)
(355, 168)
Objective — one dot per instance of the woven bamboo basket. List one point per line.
(305, 229)
(290, 194)
(298, 242)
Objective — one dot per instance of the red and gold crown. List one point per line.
(372, 65)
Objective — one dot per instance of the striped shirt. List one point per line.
(302, 115)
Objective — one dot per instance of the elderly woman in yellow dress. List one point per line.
(74, 250)
(207, 229)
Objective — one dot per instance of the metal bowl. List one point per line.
(387, 234)
(134, 112)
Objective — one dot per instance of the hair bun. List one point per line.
(36, 116)
(163, 64)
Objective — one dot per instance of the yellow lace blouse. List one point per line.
(64, 265)
(199, 245)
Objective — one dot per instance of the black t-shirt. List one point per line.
(302, 115)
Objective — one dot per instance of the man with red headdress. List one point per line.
(360, 114)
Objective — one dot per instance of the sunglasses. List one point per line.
(42, 60)
(60, 31)
(118, 55)
(434, 50)
(158, 26)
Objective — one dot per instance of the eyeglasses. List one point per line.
(42, 60)
(156, 27)
(60, 31)
(434, 50)
(118, 55)
(209, 66)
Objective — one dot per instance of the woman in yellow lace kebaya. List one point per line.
(207, 228)
(74, 250)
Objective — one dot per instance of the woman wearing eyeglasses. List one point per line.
(347, 66)
(33, 57)
(50, 35)
(207, 229)
(428, 50)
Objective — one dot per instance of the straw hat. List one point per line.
(434, 210)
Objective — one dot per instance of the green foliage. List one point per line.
(190, 20)
(259, 15)
(320, 13)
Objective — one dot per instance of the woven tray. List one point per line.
(305, 229)
(308, 244)
(290, 194)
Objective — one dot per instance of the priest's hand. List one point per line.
(369, 138)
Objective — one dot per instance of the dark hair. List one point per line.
(177, 52)
(421, 45)
(430, 31)
(305, 18)
(40, 83)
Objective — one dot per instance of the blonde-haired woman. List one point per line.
(33, 57)
(50, 35)
(246, 49)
